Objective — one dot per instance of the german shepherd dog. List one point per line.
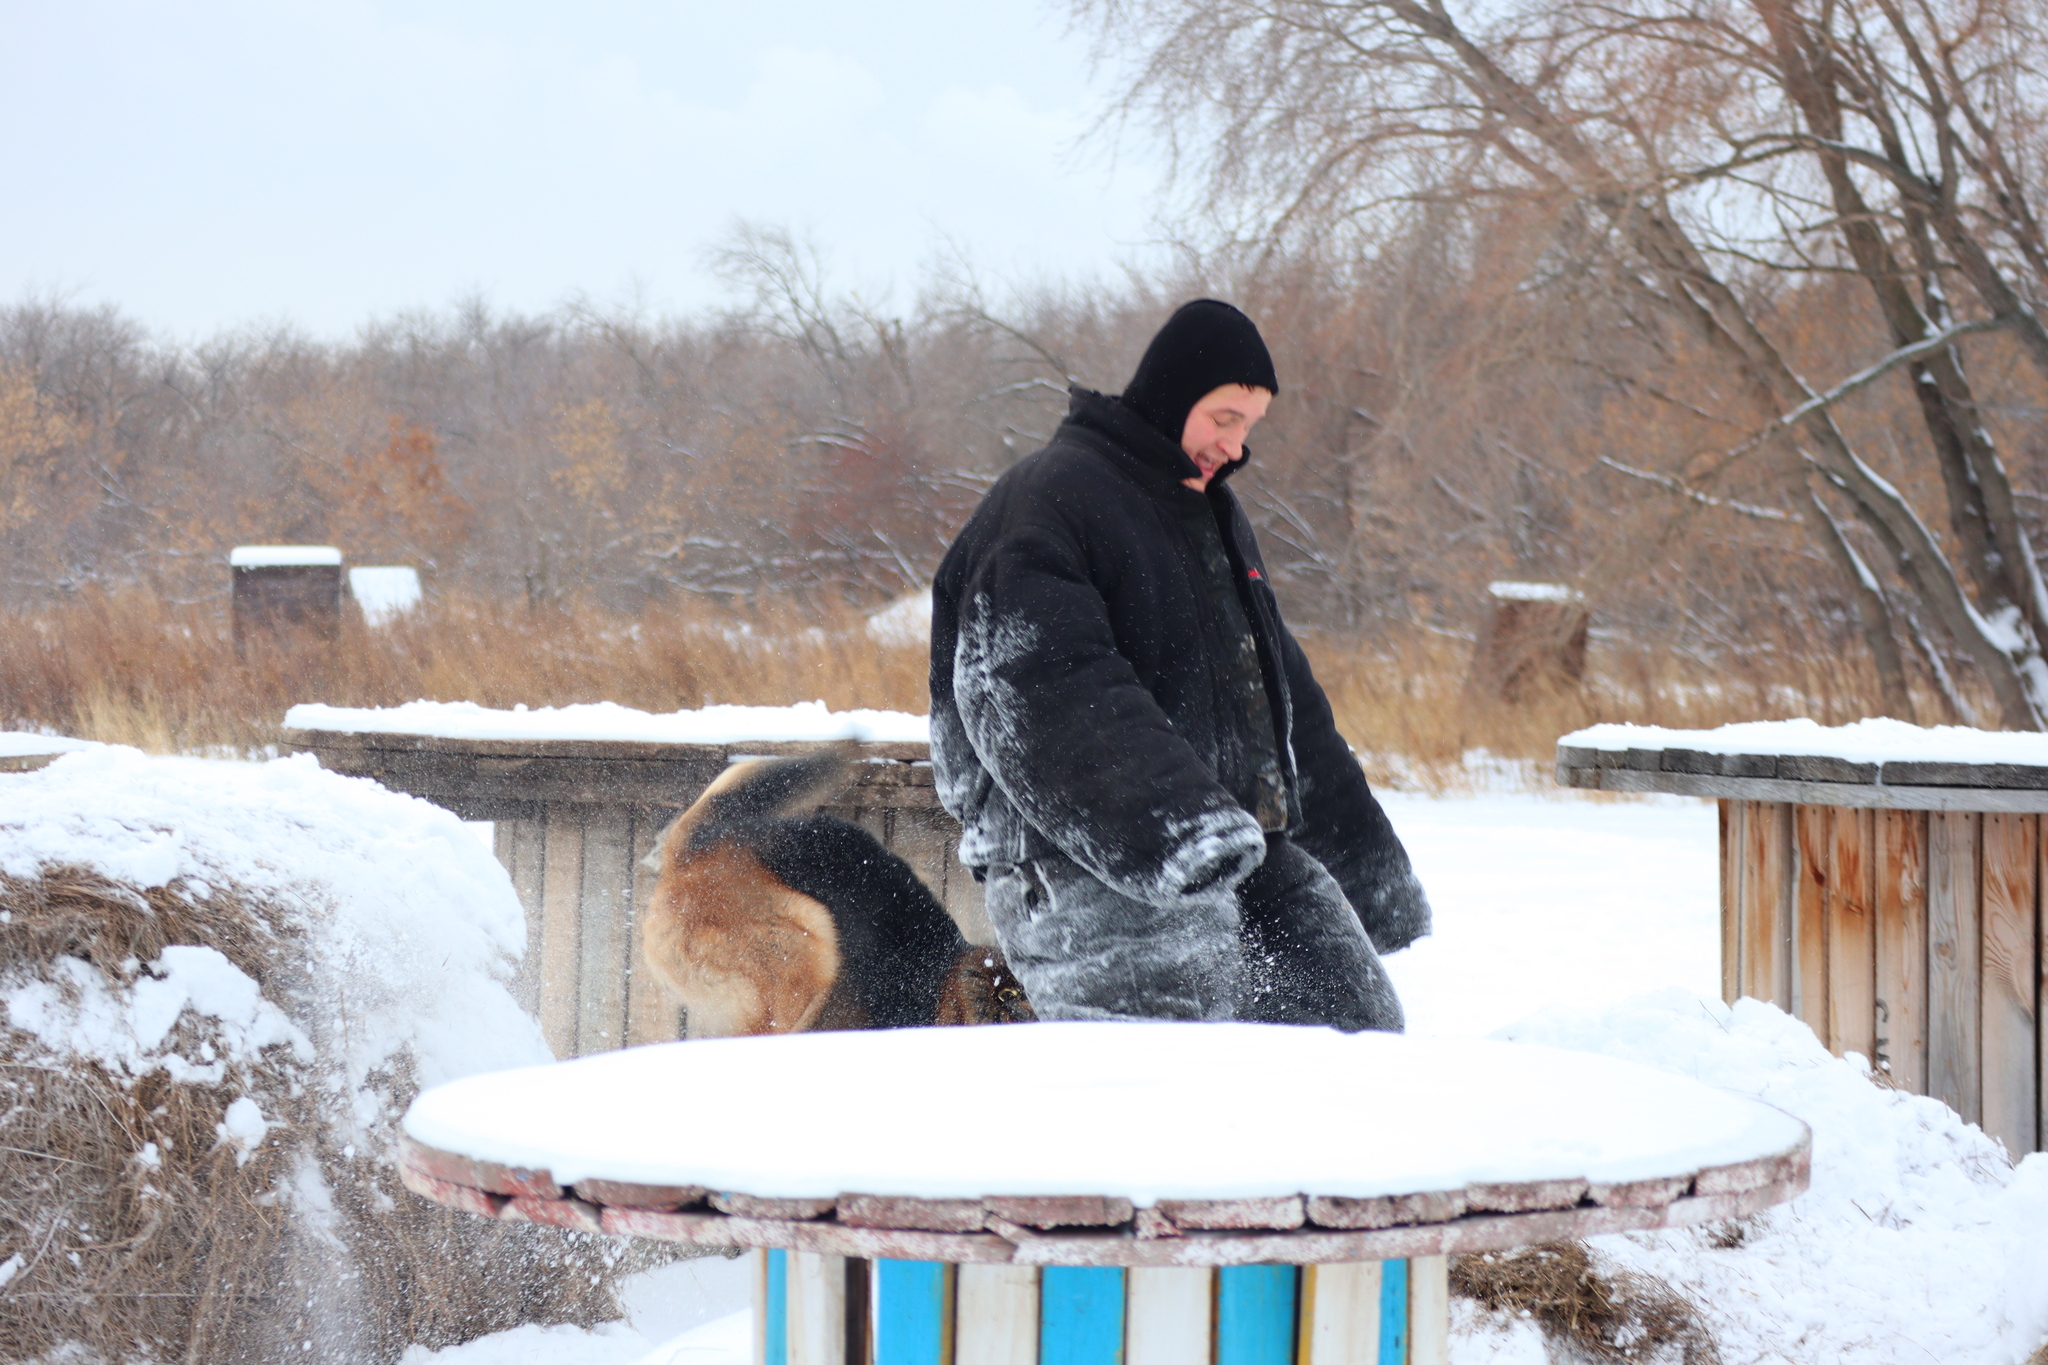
(766, 921)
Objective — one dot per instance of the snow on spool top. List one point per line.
(609, 721)
(1508, 591)
(1145, 1111)
(384, 591)
(282, 556)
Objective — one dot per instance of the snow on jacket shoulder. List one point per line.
(1083, 698)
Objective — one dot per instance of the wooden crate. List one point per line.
(574, 818)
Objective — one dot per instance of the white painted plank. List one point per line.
(1167, 1315)
(1340, 1314)
(1429, 1310)
(817, 1309)
(996, 1315)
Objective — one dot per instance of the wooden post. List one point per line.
(1733, 817)
(2011, 977)
(654, 1014)
(1954, 953)
(1255, 1314)
(1767, 892)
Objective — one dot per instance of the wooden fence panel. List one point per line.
(1813, 838)
(2011, 1073)
(1953, 957)
(1901, 947)
(560, 932)
(1851, 934)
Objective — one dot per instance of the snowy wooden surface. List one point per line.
(1883, 764)
(1214, 1144)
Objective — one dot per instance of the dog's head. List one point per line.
(980, 989)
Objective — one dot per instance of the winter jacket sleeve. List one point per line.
(1064, 726)
(1342, 823)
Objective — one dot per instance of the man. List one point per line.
(1146, 773)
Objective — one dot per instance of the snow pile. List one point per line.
(1864, 741)
(1918, 1240)
(385, 592)
(809, 720)
(907, 621)
(213, 960)
(414, 923)
(20, 743)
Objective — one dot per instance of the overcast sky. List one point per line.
(222, 163)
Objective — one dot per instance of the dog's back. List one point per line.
(761, 919)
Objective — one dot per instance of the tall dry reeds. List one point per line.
(132, 668)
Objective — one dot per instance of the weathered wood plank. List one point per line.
(1168, 1315)
(654, 1014)
(1767, 886)
(913, 1312)
(1813, 836)
(1081, 1315)
(520, 846)
(817, 1309)
(605, 923)
(1340, 1313)
(560, 934)
(2011, 976)
(1429, 1310)
(996, 1320)
(1858, 795)
(771, 1307)
(1901, 946)
(1733, 818)
(1255, 1314)
(1852, 933)
(1953, 961)
(1394, 1312)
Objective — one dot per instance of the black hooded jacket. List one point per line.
(1111, 680)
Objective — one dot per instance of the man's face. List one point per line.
(1216, 428)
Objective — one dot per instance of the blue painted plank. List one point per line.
(1255, 1314)
(1080, 1316)
(775, 1326)
(913, 1312)
(1393, 1313)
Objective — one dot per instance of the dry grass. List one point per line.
(130, 668)
(1611, 1317)
(142, 1236)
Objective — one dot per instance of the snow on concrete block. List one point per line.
(803, 722)
(283, 556)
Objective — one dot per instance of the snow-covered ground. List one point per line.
(1578, 922)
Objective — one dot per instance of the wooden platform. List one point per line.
(575, 817)
(1896, 908)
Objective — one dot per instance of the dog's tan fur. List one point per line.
(749, 955)
(746, 954)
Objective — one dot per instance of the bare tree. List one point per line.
(1691, 162)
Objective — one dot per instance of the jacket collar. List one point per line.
(1157, 459)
